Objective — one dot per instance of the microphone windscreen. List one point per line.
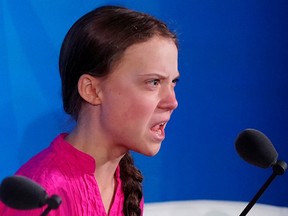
(256, 148)
(20, 192)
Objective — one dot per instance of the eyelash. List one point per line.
(156, 82)
(175, 81)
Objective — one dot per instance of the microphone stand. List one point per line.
(53, 203)
(278, 169)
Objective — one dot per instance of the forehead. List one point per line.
(158, 53)
(151, 46)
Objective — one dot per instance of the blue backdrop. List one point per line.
(234, 75)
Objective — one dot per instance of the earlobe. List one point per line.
(88, 88)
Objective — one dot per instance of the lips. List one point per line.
(158, 130)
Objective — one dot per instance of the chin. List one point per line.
(152, 151)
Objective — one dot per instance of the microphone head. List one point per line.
(20, 192)
(256, 148)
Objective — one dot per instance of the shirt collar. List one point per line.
(79, 160)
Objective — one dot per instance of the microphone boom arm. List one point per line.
(53, 202)
(278, 169)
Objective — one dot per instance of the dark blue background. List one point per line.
(234, 75)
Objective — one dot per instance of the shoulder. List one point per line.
(44, 168)
(44, 162)
(39, 164)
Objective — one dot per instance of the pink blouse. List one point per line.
(63, 170)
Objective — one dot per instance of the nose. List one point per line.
(168, 99)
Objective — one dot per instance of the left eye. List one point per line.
(175, 81)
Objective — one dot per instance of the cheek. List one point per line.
(139, 108)
(123, 104)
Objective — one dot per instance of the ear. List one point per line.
(89, 88)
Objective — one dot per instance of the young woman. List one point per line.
(118, 69)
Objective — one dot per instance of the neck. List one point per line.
(106, 156)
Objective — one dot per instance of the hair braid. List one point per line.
(131, 185)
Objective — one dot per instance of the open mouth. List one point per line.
(159, 129)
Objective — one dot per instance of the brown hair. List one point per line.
(93, 45)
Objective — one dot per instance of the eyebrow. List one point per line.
(160, 76)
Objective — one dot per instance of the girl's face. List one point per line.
(138, 96)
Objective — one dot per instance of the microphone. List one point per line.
(20, 192)
(256, 148)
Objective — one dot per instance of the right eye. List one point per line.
(154, 82)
